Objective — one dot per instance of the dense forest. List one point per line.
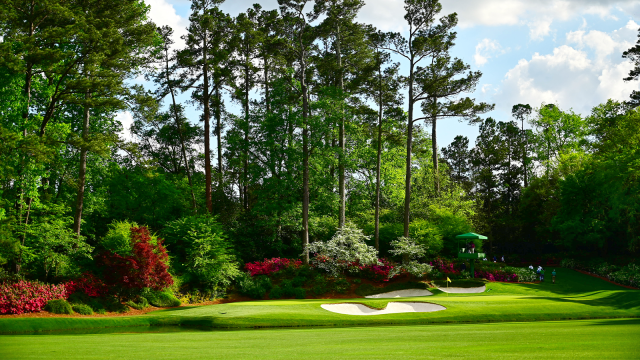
(307, 124)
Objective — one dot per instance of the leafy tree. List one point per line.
(457, 156)
(633, 54)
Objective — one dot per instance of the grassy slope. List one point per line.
(587, 339)
(575, 296)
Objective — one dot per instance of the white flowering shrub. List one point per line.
(346, 248)
(407, 248)
(410, 252)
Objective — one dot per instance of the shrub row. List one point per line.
(626, 275)
(28, 296)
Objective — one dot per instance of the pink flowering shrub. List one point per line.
(28, 296)
(270, 266)
(377, 272)
(497, 275)
(444, 266)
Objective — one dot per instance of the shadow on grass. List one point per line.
(621, 300)
(570, 282)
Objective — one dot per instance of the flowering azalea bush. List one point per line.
(270, 266)
(28, 296)
(147, 267)
(88, 284)
(497, 275)
(444, 266)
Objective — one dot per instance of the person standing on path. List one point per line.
(553, 276)
(542, 274)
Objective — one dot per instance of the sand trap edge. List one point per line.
(392, 308)
(400, 294)
(459, 290)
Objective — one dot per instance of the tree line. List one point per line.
(328, 132)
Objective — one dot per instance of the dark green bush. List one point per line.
(254, 287)
(82, 309)
(340, 285)
(58, 306)
(320, 285)
(276, 293)
(161, 299)
(101, 311)
(141, 303)
(287, 289)
(299, 281)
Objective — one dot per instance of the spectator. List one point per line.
(541, 274)
(502, 258)
(473, 248)
(553, 276)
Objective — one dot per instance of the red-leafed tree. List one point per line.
(147, 267)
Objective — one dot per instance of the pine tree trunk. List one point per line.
(434, 149)
(305, 161)
(341, 140)
(77, 219)
(207, 130)
(378, 161)
(407, 184)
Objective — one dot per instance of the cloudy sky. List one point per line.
(566, 52)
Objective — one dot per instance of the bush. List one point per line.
(320, 285)
(58, 306)
(101, 311)
(141, 303)
(28, 296)
(202, 250)
(286, 289)
(347, 247)
(271, 266)
(340, 285)
(162, 299)
(82, 309)
(127, 276)
(118, 238)
(254, 287)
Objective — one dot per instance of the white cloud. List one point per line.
(578, 77)
(163, 13)
(486, 49)
(539, 15)
(126, 119)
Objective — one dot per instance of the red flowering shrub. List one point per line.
(28, 296)
(88, 284)
(146, 268)
(270, 266)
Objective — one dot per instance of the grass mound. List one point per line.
(368, 289)
(469, 283)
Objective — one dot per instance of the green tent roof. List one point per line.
(471, 236)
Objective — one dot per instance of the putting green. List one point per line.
(575, 296)
(585, 339)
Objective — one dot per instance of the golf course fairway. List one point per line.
(581, 339)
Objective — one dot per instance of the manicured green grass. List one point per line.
(586, 339)
(575, 296)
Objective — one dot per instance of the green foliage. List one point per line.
(58, 306)
(161, 298)
(82, 309)
(141, 303)
(118, 238)
(320, 285)
(340, 285)
(254, 287)
(287, 289)
(202, 250)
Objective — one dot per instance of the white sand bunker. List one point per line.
(392, 308)
(459, 290)
(401, 293)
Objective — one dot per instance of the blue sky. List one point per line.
(566, 52)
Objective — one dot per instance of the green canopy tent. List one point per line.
(464, 253)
